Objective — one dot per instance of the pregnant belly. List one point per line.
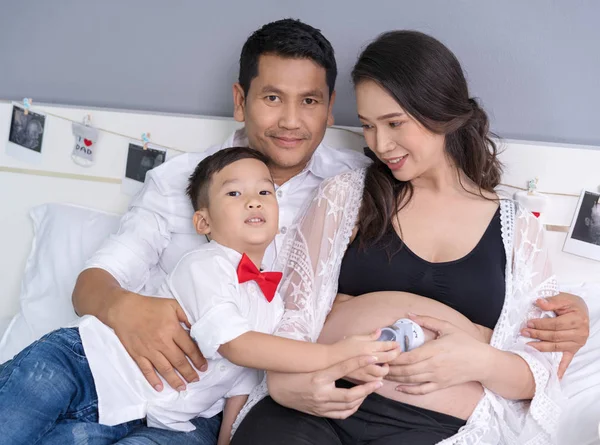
(364, 314)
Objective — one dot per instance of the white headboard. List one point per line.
(560, 168)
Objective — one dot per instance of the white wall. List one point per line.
(565, 169)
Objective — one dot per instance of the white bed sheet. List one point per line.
(4, 322)
(581, 383)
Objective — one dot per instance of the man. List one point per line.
(285, 97)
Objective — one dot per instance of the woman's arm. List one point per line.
(272, 353)
(507, 375)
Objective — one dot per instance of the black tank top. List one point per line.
(473, 285)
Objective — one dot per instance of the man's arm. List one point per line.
(567, 333)
(149, 328)
(96, 293)
(143, 325)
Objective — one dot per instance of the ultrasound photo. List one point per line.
(587, 224)
(584, 235)
(27, 130)
(140, 161)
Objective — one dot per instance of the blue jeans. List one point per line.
(48, 396)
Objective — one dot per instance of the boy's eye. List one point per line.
(265, 192)
(272, 98)
(233, 194)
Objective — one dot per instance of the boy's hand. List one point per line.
(364, 345)
(371, 373)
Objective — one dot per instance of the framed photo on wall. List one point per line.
(583, 238)
(139, 162)
(26, 135)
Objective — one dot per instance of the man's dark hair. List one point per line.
(199, 181)
(287, 38)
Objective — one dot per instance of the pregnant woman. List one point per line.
(421, 233)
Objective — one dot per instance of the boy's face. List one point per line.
(286, 111)
(242, 211)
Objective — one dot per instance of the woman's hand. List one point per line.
(316, 394)
(567, 333)
(454, 357)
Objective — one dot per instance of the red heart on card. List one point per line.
(87, 142)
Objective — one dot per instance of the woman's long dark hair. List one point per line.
(427, 81)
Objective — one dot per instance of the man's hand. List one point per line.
(316, 394)
(151, 332)
(567, 333)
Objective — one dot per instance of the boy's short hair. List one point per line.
(199, 181)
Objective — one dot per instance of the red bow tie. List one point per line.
(267, 281)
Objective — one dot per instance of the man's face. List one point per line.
(286, 111)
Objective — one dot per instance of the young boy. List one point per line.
(84, 378)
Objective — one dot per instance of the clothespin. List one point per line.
(532, 186)
(145, 140)
(87, 120)
(27, 105)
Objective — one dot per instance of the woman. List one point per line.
(424, 218)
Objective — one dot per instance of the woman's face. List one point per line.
(396, 138)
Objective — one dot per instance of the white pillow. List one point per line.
(65, 236)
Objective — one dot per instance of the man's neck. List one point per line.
(283, 175)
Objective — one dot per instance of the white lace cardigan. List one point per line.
(311, 260)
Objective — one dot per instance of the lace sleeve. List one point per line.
(532, 278)
(310, 261)
(311, 254)
(528, 277)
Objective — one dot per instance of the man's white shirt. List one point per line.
(158, 230)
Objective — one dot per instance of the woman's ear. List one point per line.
(201, 222)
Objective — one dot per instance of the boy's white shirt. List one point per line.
(158, 230)
(219, 309)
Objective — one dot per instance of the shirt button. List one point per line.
(283, 230)
(222, 368)
(279, 193)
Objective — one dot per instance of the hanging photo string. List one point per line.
(85, 142)
(532, 192)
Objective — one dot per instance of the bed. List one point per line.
(56, 213)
